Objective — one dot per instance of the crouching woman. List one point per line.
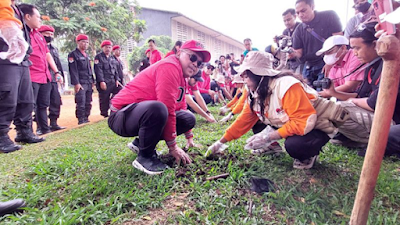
(278, 99)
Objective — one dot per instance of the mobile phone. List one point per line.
(383, 8)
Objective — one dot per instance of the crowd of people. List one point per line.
(280, 93)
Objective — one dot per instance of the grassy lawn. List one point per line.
(85, 176)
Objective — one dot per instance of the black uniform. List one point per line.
(81, 73)
(120, 70)
(55, 97)
(106, 70)
(16, 96)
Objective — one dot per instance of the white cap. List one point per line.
(331, 42)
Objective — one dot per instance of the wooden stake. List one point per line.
(221, 176)
(388, 47)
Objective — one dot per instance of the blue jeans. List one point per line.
(313, 73)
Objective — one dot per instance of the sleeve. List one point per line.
(167, 92)
(301, 113)
(7, 15)
(240, 104)
(336, 25)
(234, 100)
(350, 26)
(58, 63)
(371, 100)
(98, 69)
(73, 69)
(245, 121)
(297, 38)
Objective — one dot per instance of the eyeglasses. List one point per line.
(194, 58)
(210, 68)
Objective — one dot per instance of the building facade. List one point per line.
(182, 28)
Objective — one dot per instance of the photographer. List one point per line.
(289, 19)
(346, 72)
(233, 63)
(309, 36)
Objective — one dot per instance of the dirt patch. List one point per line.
(173, 205)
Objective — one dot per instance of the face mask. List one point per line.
(48, 39)
(363, 7)
(331, 59)
(255, 94)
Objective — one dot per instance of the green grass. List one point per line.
(85, 176)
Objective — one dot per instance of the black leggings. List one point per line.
(147, 120)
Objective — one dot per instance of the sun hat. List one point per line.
(259, 63)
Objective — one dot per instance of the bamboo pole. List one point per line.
(388, 47)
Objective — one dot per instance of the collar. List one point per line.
(314, 21)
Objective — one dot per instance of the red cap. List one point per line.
(45, 28)
(115, 47)
(106, 42)
(81, 37)
(197, 47)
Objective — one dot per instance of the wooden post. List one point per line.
(388, 47)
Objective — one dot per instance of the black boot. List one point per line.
(26, 135)
(6, 145)
(54, 126)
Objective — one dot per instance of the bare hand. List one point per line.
(59, 79)
(326, 69)
(180, 155)
(103, 86)
(77, 88)
(119, 84)
(190, 144)
(211, 118)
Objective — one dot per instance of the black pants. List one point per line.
(306, 146)
(300, 147)
(106, 95)
(207, 98)
(16, 97)
(41, 93)
(147, 120)
(83, 100)
(55, 102)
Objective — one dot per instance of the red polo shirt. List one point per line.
(40, 68)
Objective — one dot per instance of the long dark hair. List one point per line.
(177, 43)
(264, 91)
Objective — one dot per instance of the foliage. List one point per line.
(164, 45)
(99, 19)
(85, 176)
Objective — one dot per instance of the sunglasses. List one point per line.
(194, 58)
(363, 26)
(210, 68)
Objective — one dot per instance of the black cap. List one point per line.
(198, 77)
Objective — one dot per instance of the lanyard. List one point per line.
(370, 79)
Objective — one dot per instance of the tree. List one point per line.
(99, 19)
(164, 44)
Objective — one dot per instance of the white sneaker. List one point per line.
(269, 149)
(305, 164)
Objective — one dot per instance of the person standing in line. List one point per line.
(107, 77)
(116, 52)
(55, 97)
(82, 78)
(39, 70)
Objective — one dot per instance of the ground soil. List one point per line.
(67, 118)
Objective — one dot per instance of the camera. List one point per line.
(325, 83)
(228, 57)
(284, 43)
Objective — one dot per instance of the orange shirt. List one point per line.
(296, 103)
(237, 109)
(7, 15)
